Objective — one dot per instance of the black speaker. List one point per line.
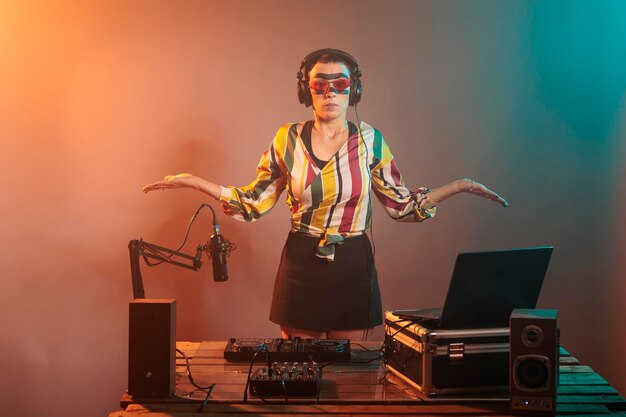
(534, 362)
(152, 348)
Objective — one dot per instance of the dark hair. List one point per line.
(330, 57)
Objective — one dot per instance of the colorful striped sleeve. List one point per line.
(257, 198)
(388, 186)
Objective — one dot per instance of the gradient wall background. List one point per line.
(99, 98)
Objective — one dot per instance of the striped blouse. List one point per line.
(333, 202)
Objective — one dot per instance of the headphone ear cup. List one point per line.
(304, 94)
(355, 92)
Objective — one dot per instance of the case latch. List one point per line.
(456, 351)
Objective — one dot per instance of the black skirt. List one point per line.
(313, 294)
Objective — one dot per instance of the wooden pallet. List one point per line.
(359, 387)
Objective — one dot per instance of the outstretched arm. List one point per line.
(186, 180)
(465, 185)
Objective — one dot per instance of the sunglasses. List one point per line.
(321, 86)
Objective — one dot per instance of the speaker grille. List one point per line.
(532, 373)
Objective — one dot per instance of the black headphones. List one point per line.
(304, 92)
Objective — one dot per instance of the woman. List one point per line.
(326, 285)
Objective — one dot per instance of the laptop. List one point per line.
(486, 287)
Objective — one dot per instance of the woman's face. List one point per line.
(330, 104)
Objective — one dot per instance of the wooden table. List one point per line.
(362, 387)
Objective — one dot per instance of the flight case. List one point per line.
(440, 362)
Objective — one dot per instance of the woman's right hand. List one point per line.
(184, 180)
(466, 185)
(480, 190)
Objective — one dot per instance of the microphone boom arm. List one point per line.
(140, 248)
(217, 249)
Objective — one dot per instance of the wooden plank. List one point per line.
(188, 348)
(269, 414)
(365, 391)
(337, 392)
(593, 415)
(581, 409)
(611, 400)
(186, 345)
(586, 390)
(575, 368)
(344, 398)
(217, 345)
(388, 397)
(290, 409)
(237, 397)
(576, 378)
(568, 360)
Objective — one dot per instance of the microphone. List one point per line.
(218, 249)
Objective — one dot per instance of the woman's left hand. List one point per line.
(470, 186)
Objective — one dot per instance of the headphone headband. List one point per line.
(313, 56)
(304, 94)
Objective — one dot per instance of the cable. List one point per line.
(265, 400)
(282, 383)
(373, 245)
(188, 368)
(206, 399)
(349, 361)
(402, 362)
(193, 219)
(371, 270)
(245, 391)
(384, 379)
(208, 389)
(319, 385)
(410, 322)
(368, 350)
(356, 113)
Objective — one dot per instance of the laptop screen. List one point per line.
(487, 286)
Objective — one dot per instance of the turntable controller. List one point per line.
(288, 350)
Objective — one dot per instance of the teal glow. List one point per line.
(578, 54)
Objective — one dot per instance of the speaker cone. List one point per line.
(532, 373)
